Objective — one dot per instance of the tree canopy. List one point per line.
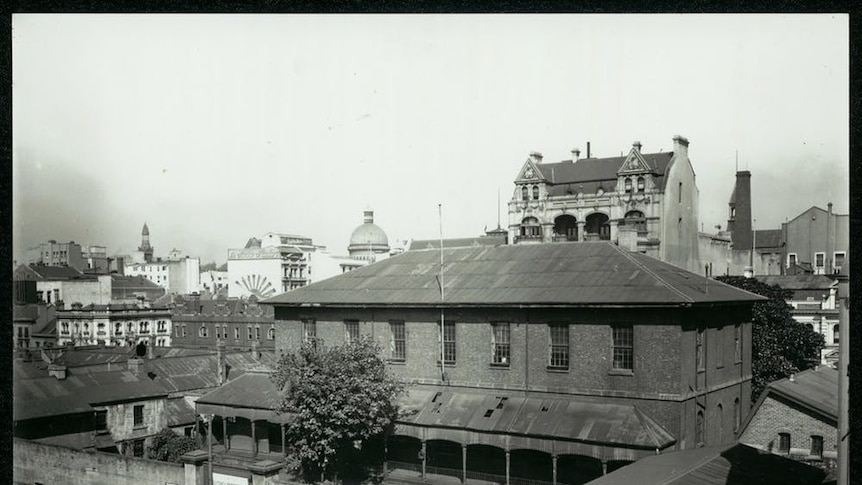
(780, 344)
(169, 446)
(342, 397)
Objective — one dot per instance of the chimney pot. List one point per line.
(680, 140)
(135, 365)
(588, 149)
(637, 145)
(829, 205)
(576, 154)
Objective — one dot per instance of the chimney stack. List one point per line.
(255, 349)
(680, 145)
(58, 371)
(829, 205)
(637, 145)
(151, 346)
(576, 154)
(588, 149)
(220, 361)
(536, 157)
(136, 365)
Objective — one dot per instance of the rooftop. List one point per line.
(49, 396)
(800, 281)
(587, 174)
(735, 464)
(458, 242)
(814, 388)
(591, 274)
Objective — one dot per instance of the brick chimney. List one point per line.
(255, 349)
(536, 157)
(739, 220)
(136, 365)
(220, 361)
(58, 371)
(151, 346)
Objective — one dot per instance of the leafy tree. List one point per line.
(342, 398)
(780, 344)
(169, 446)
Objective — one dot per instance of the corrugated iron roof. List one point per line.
(179, 412)
(50, 396)
(578, 274)
(569, 419)
(800, 282)
(251, 390)
(735, 464)
(458, 242)
(58, 272)
(815, 388)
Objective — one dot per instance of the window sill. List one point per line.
(397, 361)
(558, 370)
(498, 366)
(621, 372)
(448, 365)
(139, 426)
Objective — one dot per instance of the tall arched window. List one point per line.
(699, 428)
(203, 331)
(720, 412)
(628, 184)
(535, 193)
(835, 334)
(641, 184)
(525, 193)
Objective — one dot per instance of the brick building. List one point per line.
(239, 322)
(64, 284)
(797, 417)
(558, 360)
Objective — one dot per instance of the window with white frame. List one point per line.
(558, 350)
(838, 260)
(309, 331)
(500, 343)
(819, 260)
(351, 331)
(397, 341)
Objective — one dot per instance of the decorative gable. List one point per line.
(530, 173)
(634, 163)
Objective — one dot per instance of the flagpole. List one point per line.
(442, 298)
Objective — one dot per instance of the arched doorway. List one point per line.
(598, 227)
(444, 457)
(486, 462)
(577, 469)
(530, 465)
(566, 228)
(404, 452)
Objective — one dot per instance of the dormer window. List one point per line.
(535, 193)
(525, 193)
(628, 186)
(641, 184)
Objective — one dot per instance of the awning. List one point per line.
(560, 426)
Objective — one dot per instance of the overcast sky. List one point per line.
(216, 128)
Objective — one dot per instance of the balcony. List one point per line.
(529, 238)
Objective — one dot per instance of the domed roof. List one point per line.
(368, 234)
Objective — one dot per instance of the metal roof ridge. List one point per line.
(647, 423)
(652, 273)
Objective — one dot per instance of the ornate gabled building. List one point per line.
(646, 202)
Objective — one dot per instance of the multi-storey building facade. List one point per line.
(643, 202)
(535, 339)
(180, 277)
(64, 284)
(815, 304)
(95, 259)
(52, 253)
(816, 241)
(114, 325)
(241, 323)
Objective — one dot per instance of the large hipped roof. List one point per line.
(591, 274)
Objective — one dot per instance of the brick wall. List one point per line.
(38, 463)
(777, 415)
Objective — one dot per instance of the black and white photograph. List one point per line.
(430, 249)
